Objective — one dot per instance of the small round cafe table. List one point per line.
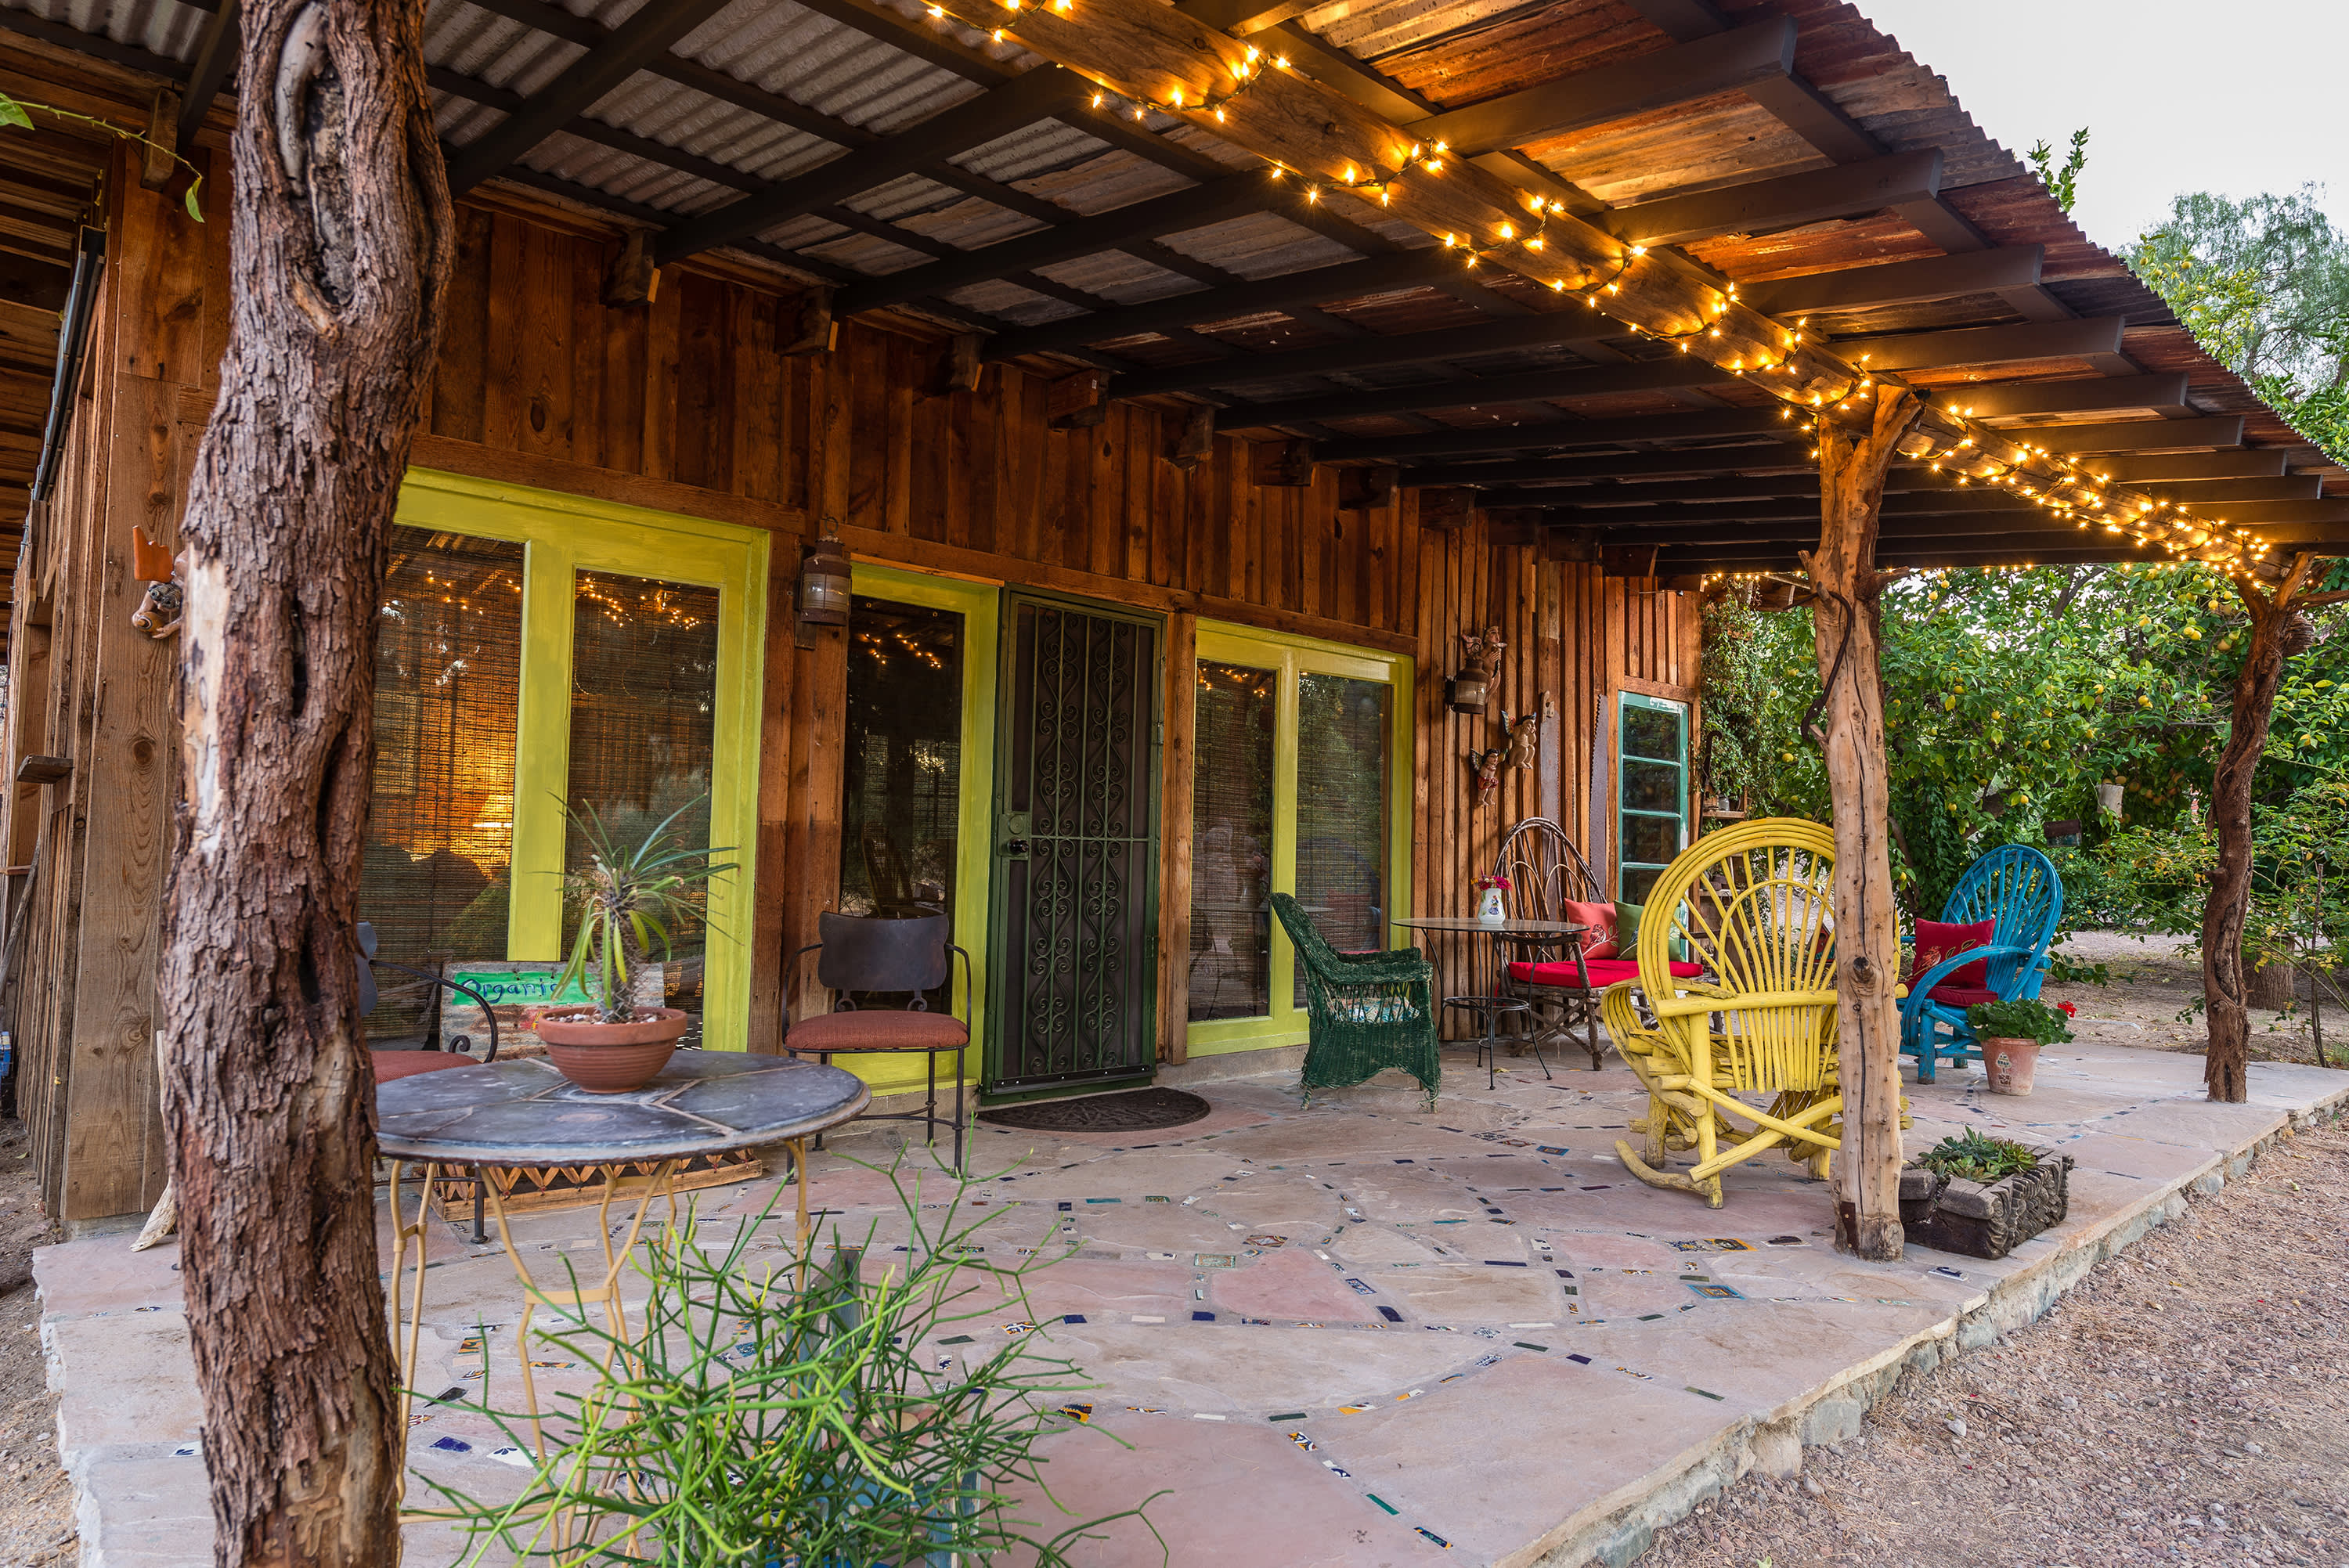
(523, 1113)
(1488, 1001)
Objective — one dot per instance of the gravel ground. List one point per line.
(36, 1505)
(2184, 1404)
(2155, 983)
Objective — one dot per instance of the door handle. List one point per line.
(1016, 849)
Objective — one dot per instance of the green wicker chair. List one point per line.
(1368, 1011)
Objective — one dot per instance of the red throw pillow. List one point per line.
(1600, 918)
(1936, 941)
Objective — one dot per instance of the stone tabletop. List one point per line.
(524, 1112)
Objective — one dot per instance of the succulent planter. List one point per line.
(612, 1059)
(1985, 1220)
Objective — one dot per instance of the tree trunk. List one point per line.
(1843, 574)
(2226, 1062)
(339, 246)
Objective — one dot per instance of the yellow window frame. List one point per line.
(562, 535)
(979, 604)
(1294, 657)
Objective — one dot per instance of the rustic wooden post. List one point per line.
(339, 252)
(1852, 463)
(2278, 631)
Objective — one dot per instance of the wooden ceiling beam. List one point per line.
(2249, 463)
(628, 48)
(1562, 434)
(1557, 327)
(2163, 393)
(2137, 435)
(1526, 386)
(1797, 517)
(1116, 230)
(2097, 340)
(1786, 202)
(1722, 63)
(215, 63)
(1763, 456)
(1916, 282)
(1245, 16)
(1346, 280)
(1023, 100)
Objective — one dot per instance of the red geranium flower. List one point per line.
(2069, 1010)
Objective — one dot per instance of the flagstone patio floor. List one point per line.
(1356, 1333)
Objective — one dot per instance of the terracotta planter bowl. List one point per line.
(2009, 1062)
(613, 1058)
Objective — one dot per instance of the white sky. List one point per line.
(2237, 97)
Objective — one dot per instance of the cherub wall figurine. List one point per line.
(159, 612)
(1481, 651)
(1487, 765)
(1524, 734)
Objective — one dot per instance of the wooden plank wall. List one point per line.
(1573, 635)
(691, 405)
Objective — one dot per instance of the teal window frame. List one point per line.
(1626, 704)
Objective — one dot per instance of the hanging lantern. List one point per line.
(824, 585)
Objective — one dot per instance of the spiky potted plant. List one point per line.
(627, 904)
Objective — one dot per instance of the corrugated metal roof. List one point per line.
(1449, 52)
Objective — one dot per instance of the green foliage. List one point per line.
(2009, 696)
(17, 113)
(2264, 285)
(627, 901)
(1976, 1158)
(741, 1422)
(2064, 183)
(2023, 1018)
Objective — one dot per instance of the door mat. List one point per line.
(1134, 1111)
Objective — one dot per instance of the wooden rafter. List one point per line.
(1901, 283)
(215, 61)
(1525, 387)
(1785, 201)
(627, 49)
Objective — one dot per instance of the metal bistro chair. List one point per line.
(1545, 873)
(866, 957)
(2016, 891)
(407, 1061)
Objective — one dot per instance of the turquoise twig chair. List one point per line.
(2016, 887)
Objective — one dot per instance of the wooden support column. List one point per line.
(1178, 760)
(1852, 464)
(2278, 631)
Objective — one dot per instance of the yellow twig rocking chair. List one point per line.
(1754, 903)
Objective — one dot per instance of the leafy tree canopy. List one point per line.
(2264, 285)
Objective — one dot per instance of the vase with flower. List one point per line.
(1492, 904)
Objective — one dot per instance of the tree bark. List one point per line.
(1845, 626)
(339, 246)
(2227, 1059)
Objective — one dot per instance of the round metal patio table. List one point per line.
(1488, 1003)
(523, 1113)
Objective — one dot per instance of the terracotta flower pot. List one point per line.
(612, 1059)
(2010, 1063)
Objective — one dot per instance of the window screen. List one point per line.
(1341, 810)
(440, 815)
(901, 795)
(644, 698)
(1231, 843)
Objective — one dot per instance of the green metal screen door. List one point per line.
(1076, 848)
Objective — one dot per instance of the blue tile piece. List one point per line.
(1203, 1317)
(1072, 1317)
(1390, 1314)
(453, 1445)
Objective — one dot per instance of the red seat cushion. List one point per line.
(390, 1065)
(1604, 971)
(1963, 995)
(1936, 941)
(877, 1029)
